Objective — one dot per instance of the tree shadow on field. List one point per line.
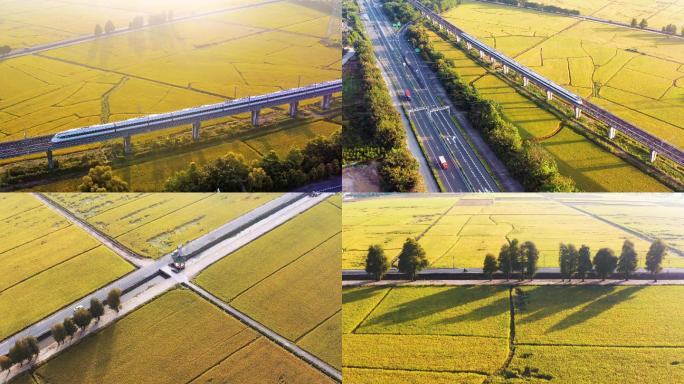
(544, 302)
(443, 300)
(359, 294)
(595, 308)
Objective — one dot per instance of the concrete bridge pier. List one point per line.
(549, 95)
(470, 46)
(458, 38)
(255, 117)
(612, 132)
(578, 112)
(51, 162)
(293, 108)
(526, 81)
(492, 59)
(505, 69)
(127, 144)
(482, 54)
(325, 104)
(654, 155)
(196, 130)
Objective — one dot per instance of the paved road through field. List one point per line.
(240, 231)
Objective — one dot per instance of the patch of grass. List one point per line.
(283, 141)
(325, 341)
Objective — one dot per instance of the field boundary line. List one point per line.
(37, 238)
(476, 372)
(372, 310)
(297, 340)
(602, 345)
(258, 337)
(24, 211)
(432, 334)
(284, 266)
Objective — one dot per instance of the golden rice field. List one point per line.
(563, 334)
(636, 75)
(458, 231)
(153, 225)
(591, 167)
(203, 60)
(201, 344)
(424, 334)
(271, 281)
(47, 262)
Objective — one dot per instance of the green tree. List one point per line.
(516, 256)
(98, 30)
(18, 353)
(584, 263)
(634, 23)
(605, 262)
(530, 254)
(109, 27)
(399, 171)
(5, 49)
(32, 347)
(114, 299)
(376, 262)
(96, 308)
(259, 180)
(504, 261)
(82, 318)
(643, 24)
(654, 258)
(628, 261)
(58, 333)
(69, 326)
(412, 258)
(5, 363)
(101, 179)
(490, 266)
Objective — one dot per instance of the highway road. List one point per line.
(430, 114)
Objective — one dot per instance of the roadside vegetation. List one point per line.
(372, 128)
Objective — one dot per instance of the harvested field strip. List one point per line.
(37, 297)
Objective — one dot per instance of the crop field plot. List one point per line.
(563, 334)
(591, 167)
(271, 280)
(47, 263)
(634, 74)
(215, 346)
(153, 224)
(477, 225)
(424, 334)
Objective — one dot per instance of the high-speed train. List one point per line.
(184, 114)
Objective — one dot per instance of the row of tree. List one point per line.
(515, 257)
(371, 120)
(108, 28)
(527, 160)
(670, 29)
(411, 260)
(27, 348)
(319, 160)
